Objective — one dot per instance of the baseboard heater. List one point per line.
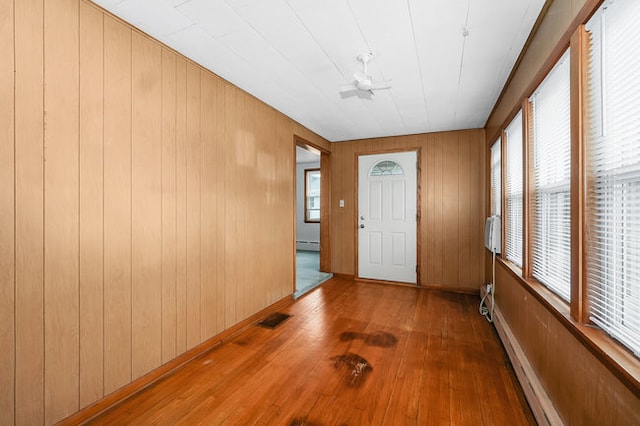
(541, 406)
(308, 245)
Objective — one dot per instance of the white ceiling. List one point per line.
(295, 54)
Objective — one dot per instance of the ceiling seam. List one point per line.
(465, 34)
(415, 46)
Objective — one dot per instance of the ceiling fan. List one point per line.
(363, 85)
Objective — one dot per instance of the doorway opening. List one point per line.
(312, 217)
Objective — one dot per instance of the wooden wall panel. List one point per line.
(451, 226)
(193, 205)
(117, 205)
(136, 237)
(181, 205)
(91, 207)
(230, 218)
(218, 165)
(61, 185)
(146, 208)
(29, 212)
(452, 212)
(466, 212)
(433, 270)
(169, 206)
(208, 174)
(582, 389)
(7, 216)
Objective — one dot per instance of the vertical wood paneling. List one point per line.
(230, 241)
(452, 207)
(219, 165)
(146, 208)
(466, 212)
(450, 210)
(478, 198)
(434, 270)
(193, 205)
(181, 205)
(169, 206)
(61, 175)
(29, 213)
(91, 208)
(208, 206)
(136, 237)
(117, 205)
(7, 210)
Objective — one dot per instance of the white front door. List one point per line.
(387, 192)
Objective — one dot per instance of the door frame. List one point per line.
(325, 203)
(418, 151)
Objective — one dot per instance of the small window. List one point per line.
(496, 179)
(312, 195)
(612, 151)
(514, 191)
(385, 168)
(550, 231)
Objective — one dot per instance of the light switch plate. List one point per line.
(341, 203)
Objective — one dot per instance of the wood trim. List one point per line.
(306, 209)
(418, 151)
(587, 10)
(527, 185)
(579, 55)
(619, 361)
(325, 212)
(516, 65)
(325, 202)
(349, 277)
(170, 367)
(418, 216)
(538, 399)
(503, 193)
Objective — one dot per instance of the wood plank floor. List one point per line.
(350, 354)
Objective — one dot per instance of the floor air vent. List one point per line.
(273, 320)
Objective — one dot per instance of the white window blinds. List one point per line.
(496, 178)
(551, 177)
(613, 172)
(514, 195)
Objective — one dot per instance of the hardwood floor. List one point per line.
(350, 354)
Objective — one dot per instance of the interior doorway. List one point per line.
(312, 212)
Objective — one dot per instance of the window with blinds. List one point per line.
(613, 172)
(496, 178)
(550, 231)
(514, 195)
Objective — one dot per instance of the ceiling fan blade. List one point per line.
(348, 88)
(381, 85)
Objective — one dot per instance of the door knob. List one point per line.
(361, 217)
(362, 225)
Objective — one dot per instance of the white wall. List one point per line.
(305, 231)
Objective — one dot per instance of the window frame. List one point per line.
(307, 210)
(533, 189)
(573, 316)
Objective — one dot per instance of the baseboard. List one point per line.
(452, 289)
(99, 407)
(349, 277)
(541, 406)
